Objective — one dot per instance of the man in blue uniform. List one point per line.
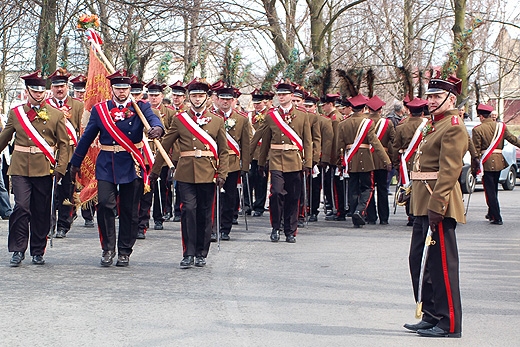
(120, 134)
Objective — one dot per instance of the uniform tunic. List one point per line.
(441, 150)
(117, 174)
(195, 177)
(31, 179)
(482, 137)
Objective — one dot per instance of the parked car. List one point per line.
(507, 175)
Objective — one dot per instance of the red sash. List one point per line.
(122, 140)
(382, 127)
(38, 140)
(497, 137)
(410, 150)
(70, 128)
(197, 131)
(286, 129)
(233, 144)
(363, 129)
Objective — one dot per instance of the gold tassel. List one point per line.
(146, 189)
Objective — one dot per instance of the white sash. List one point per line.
(287, 130)
(412, 147)
(196, 130)
(233, 144)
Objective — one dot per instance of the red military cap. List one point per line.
(284, 87)
(79, 82)
(198, 86)
(452, 84)
(358, 101)
(154, 87)
(34, 81)
(136, 85)
(375, 103)
(119, 79)
(329, 98)
(59, 77)
(417, 105)
(484, 109)
(178, 88)
(217, 85)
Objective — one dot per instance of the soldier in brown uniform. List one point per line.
(178, 104)
(73, 111)
(286, 136)
(404, 133)
(436, 203)
(258, 182)
(333, 177)
(203, 162)
(238, 132)
(40, 133)
(385, 132)
(323, 158)
(162, 189)
(488, 138)
(355, 136)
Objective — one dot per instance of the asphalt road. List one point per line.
(337, 286)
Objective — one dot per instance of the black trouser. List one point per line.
(228, 202)
(31, 214)
(339, 195)
(380, 179)
(160, 194)
(145, 203)
(304, 204)
(327, 187)
(177, 205)
(316, 189)
(196, 217)
(87, 212)
(63, 191)
(129, 196)
(361, 187)
(490, 183)
(258, 186)
(285, 192)
(440, 292)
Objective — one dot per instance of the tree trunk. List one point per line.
(317, 27)
(458, 28)
(46, 47)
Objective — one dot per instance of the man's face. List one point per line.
(328, 107)
(137, 96)
(198, 100)
(79, 95)
(155, 99)
(121, 94)
(178, 100)
(285, 99)
(436, 100)
(225, 104)
(311, 108)
(297, 100)
(259, 106)
(461, 112)
(60, 92)
(35, 97)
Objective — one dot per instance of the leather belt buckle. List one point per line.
(198, 153)
(116, 149)
(32, 149)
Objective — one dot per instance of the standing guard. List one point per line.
(488, 138)
(238, 134)
(73, 111)
(40, 133)
(355, 136)
(385, 132)
(120, 166)
(286, 137)
(203, 165)
(437, 205)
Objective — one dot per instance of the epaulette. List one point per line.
(77, 99)
(455, 120)
(171, 107)
(476, 126)
(215, 113)
(144, 101)
(402, 121)
(242, 113)
(301, 108)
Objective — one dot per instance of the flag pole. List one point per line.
(157, 143)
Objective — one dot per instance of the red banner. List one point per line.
(97, 90)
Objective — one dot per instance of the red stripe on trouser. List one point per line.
(446, 277)
(371, 192)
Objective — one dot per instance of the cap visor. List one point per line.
(435, 91)
(121, 86)
(37, 88)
